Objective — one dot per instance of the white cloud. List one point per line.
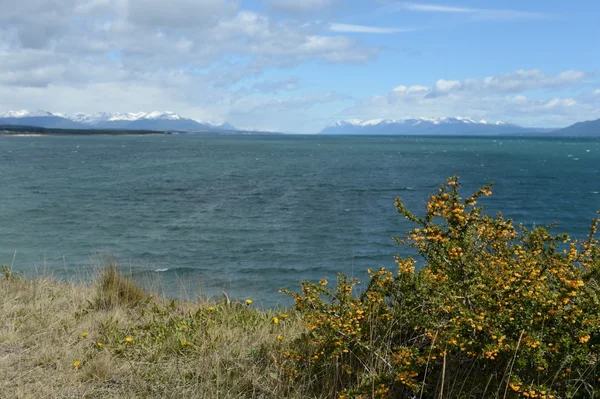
(478, 13)
(187, 33)
(445, 86)
(410, 89)
(268, 42)
(501, 97)
(335, 27)
(512, 82)
(435, 8)
(597, 92)
(146, 36)
(558, 103)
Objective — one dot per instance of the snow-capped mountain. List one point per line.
(26, 114)
(38, 119)
(101, 117)
(141, 120)
(105, 120)
(435, 126)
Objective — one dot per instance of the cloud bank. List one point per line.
(519, 96)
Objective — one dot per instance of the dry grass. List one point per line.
(113, 290)
(177, 349)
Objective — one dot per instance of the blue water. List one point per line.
(252, 214)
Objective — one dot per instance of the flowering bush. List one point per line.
(495, 311)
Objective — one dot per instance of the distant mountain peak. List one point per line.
(99, 117)
(457, 125)
(23, 113)
(415, 121)
(155, 120)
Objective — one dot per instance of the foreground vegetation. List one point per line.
(111, 339)
(494, 311)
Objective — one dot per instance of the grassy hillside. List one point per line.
(110, 339)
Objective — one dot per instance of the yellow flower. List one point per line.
(280, 337)
(584, 339)
(129, 340)
(275, 320)
(99, 344)
(514, 387)
(283, 316)
(248, 302)
(84, 335)
(76, 363)
(184, 342)
(212, 308)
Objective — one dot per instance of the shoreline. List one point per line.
(21, 135)
(9, 134)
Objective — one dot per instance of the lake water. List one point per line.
(252, 214)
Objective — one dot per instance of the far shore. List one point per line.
(10, 134)
(20, 134)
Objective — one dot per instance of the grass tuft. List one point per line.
(114, 289)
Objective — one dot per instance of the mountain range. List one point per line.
(170, 121)
(429, 126)
(104, 120)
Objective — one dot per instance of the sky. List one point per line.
(299, 65)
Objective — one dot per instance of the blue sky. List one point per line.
(297, 66)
